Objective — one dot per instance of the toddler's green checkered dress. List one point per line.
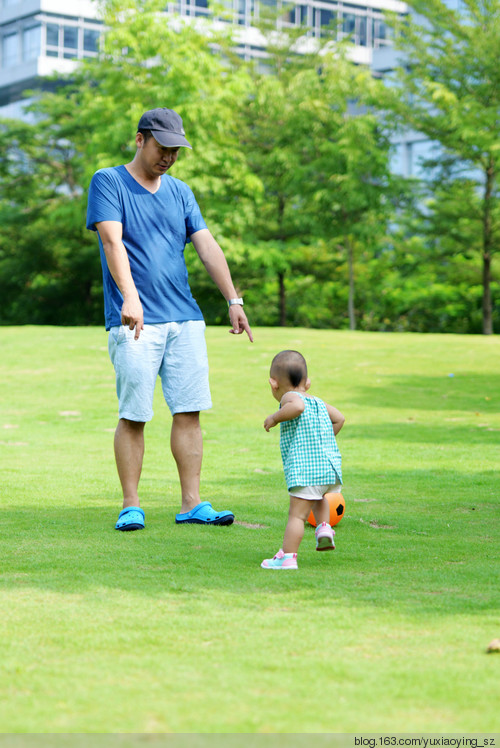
(309, 449)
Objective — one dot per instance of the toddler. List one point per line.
(311, 458)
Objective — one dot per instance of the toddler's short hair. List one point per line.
(290, 364)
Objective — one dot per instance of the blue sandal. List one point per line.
(130, 518)
(203, 514)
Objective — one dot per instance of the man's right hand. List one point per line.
(133, 316)
(111, 233)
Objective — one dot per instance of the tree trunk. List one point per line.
(282, 293)
(487, 311)
(487, 249)
(281, 274)
(350, 302)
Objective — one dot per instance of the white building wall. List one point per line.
(41, 37)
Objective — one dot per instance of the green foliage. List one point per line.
(323, 164)
(448, 87)
(49, 272)
(290, 168)
(49, 264)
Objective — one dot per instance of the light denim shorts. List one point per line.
(313, 493)
(175, 351)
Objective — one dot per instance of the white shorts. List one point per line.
(177, 352)
(313, 493)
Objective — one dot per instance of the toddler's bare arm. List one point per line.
(336, 418)
(291, 407)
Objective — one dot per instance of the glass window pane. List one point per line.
(31, 43)
(303, 13)
(349, 23)
(90, 40)
(52, 34)
(70, 37)
(362, 31)
(10, 50)
(380, 30)
(326, 17)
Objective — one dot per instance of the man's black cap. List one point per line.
(166, 127)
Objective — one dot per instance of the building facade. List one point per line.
(42, 37)
(39, 38)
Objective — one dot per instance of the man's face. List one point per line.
(156, 159)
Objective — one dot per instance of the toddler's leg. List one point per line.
(324, 533)
(321, 511)
(297, 516)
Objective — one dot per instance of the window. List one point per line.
(31, 43)
(362, 39)
(70, 36)
(53, 34)
(288, 17)
(303, 17)
(240, 12)
(70, 41)
(10, 50)
(326, 18)
(90, 40)
(348, 23)
(52, 39)
(380, 31)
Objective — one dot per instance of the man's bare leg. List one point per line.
(186, 442)
(129, 453)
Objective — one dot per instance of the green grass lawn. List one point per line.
(177, 628)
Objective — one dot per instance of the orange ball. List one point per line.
(337, 509)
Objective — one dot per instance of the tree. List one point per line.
(322, 161)
(356, 195)
(292, 178)
(49, 263)
(448, 87)
(49, 269)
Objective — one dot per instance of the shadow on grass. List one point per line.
(464, 391)
(387, 557)
(435, 433)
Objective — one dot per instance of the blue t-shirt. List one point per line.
(156, 227)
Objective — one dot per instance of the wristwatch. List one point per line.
(230, 302)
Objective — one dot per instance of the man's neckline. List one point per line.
(151, 192)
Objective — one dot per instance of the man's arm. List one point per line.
(216, 266)
(119, 267)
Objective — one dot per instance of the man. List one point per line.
(144, 218)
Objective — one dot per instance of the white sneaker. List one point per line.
(281, 561)
(324, 537)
